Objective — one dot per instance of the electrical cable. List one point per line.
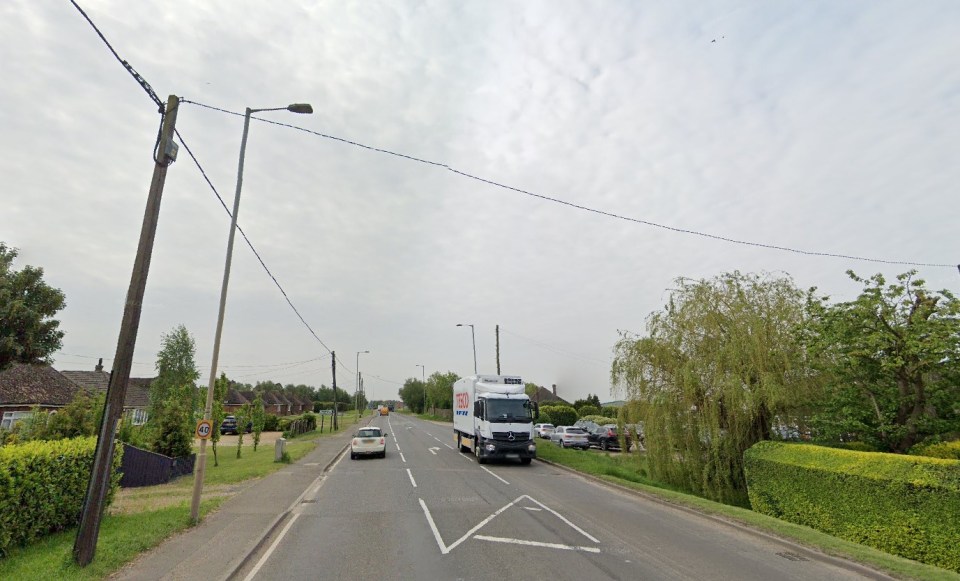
(586, 208)
(249, 243)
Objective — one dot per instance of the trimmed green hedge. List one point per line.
(903, 505)
(43, 485)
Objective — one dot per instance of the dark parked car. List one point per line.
(606, 438)
(229, 426)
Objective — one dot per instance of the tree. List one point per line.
(591, 400)
(891, 360)
(81, 417)
(173, 423)
(412, 394)
(562, 415)
(220, 387)
(28, 331)
(440, 389)
(258, 415)
(243, 416)
(722, 363)
(588, 410)
(176, 367)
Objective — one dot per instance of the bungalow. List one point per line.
(136, 401)
(26, 386)
(544, 395)
(234, 401)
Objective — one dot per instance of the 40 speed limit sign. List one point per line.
(204, 428)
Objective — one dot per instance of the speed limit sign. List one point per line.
(204, 428)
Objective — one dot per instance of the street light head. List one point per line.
(459, 324)
(303, 108)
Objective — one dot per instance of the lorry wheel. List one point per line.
(460, 447)
(476, 448)
(525, 460)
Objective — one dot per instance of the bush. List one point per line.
(271, 423)
(563, 415)
(599, 420)
(610, 411)
(43, 485)
(946, 450)
(891, 502)
(545, 417)
(588, 410)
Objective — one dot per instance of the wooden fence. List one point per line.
(145, 468)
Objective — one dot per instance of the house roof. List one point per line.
(234, 397)
(27, 384)
(543, 395)
(138, 388)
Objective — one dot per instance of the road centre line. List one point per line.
(412, 481)
(564, 519)
(537, 544)
(449, 446)
(491, 473)
(402, 458)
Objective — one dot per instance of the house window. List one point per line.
(10, 418)
(137, 417)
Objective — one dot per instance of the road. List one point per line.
(429, 512)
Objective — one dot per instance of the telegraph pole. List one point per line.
(333, 365)
(85, 545)
(498, 349)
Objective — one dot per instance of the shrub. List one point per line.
(271, 423)
(43, 485)
(588, 410)
(599, 420)
(563, 415)
(946, 450)
(610, 411)
(891, 502)
(545, 417)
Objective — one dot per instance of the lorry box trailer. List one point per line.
(493, 418)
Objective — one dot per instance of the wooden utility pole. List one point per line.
(333, 365)
(85, 545)
(498, 349)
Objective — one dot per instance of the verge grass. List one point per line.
(630, 471)
(141, 518)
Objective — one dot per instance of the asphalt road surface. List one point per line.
(428, 512)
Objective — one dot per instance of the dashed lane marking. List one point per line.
(491, 473)
(412, 481)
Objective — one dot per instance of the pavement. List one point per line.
(221, 543)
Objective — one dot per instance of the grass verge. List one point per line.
(141, 518)
(629, 470)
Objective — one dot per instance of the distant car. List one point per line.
(544, 430)
(229, 426)
(605, 437)
(586, 425)
(570, 437)
(369, 441)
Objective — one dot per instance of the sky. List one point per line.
(819, 126)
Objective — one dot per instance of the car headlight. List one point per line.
(532, 447)
(490, 447)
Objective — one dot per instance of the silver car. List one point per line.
(570, 437)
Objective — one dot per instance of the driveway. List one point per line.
(266, 439)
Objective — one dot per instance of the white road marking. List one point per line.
(397, 445)
(532, 508)
(449, 446)
(490, 472)
(402, 458)
(412, 481)
(433, 450)
(429, 434)
(438, 439)
(436, 534)
(561, 517)
(273, 547)
(537, 544)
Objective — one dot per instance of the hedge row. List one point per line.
(42, 487)
(904, 505)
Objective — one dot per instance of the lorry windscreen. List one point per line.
(508, 410)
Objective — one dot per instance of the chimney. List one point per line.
(554, 389)
(99, 366)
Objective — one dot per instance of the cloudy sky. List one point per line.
(830, 127)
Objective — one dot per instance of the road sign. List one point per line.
(204, 428)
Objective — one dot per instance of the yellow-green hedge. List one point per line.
(42, 487)
(904, 505)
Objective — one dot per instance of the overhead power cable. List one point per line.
(250, 244)
(585, 208)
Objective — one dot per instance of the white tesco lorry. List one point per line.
(493, 418)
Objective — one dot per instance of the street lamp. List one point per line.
(423, 371)
(303, 108)
(474, 337)
(358, 381)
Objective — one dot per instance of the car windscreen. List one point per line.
(368, 434)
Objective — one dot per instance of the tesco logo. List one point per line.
(463, 400)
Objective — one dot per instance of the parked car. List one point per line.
(570, 437)
(369, 441)
(229, 426)
(544, 430)
(586, 425)
(605, 437)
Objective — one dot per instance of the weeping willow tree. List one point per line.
(721, 365)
